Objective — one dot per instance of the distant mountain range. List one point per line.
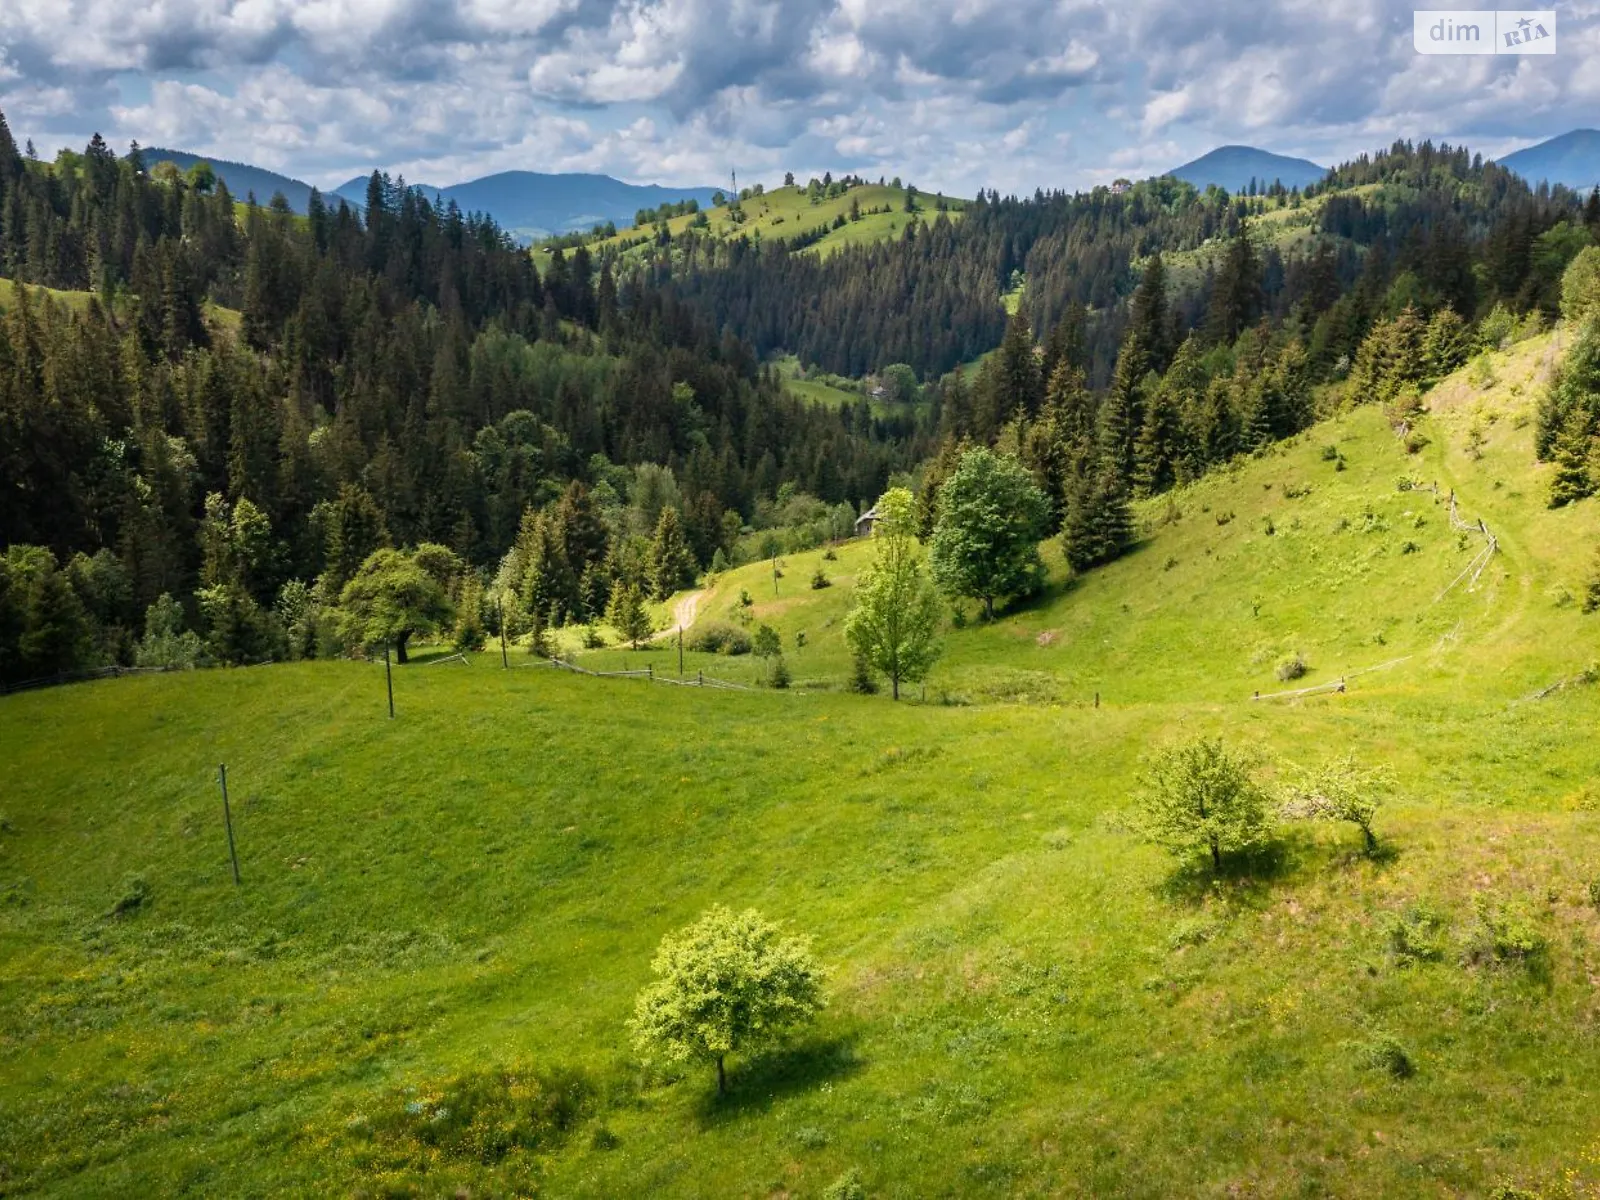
(528, 204)
(1233, 167)
(1572, 159)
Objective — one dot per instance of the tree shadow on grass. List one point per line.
(754, 1084)
(1246, 879)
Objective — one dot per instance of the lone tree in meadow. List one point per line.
(1342, 789)
(991, 516)
(728, 984)
(894, 627)
(1199, 797)
(396, 594)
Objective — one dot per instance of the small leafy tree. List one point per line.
(727, 984)
(166, 643)
(767, 643)
(1591, 590)
(1342, 789)
(628, 614)
(392, 597)
(1199, 797)
(991, 516)
(894, 627)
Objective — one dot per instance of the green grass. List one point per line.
(225, 319)
(1026, 999)
(77, 301)
(784, 212)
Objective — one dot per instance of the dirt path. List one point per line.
(683, 612)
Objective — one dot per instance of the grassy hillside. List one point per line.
(226, 319)
(786, 212)
(1026, 999)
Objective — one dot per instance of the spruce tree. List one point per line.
(1148, 317)
(1236, 296)
(672, 563)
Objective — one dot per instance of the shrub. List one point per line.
(719, 638)
(1330, 453)
(1415, 935)
(819, 580)
(1505, 934)
(1199, 798)
(1291, 668)
(811, 1137)
(1383, 1052)
(131, 897)
(846, 1187)
(780, 673)
(829, 556)
(592, 638)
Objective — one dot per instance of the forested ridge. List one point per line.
(400, 377)
(267, 431)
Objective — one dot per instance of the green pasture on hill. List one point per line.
(450, 913)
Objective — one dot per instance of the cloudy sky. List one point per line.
(951, 94)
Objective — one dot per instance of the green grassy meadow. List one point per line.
(1026, 1000)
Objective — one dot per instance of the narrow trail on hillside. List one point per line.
(683, 612)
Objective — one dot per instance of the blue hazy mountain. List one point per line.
(528, 204)
(1572, 159)
(1233, 167)
(241, 178)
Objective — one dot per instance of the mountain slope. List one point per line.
(242, 178)
(530, 204)
(1233, 167)
(1572, 159)
(424, 981)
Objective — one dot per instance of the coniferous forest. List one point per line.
(215, 413)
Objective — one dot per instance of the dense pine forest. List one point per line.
(238, 426)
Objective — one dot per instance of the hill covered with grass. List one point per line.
(864, 214)
(423, 982)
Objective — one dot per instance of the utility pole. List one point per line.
(227, 819)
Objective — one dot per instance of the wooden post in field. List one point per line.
(680, 651)
(774, 576)
(388, 679)
(1097, 699)
(227, 820)
(702, 677)
(500, 615)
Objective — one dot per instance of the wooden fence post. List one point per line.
(227, 819)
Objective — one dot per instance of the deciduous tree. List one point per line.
(728, 984)
(986, 540)
(894, 626)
